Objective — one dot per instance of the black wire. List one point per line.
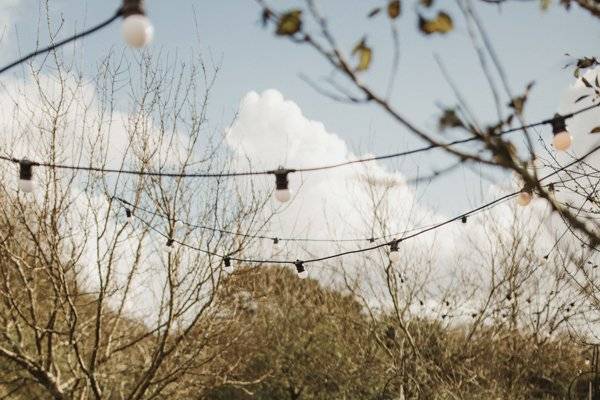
(62, 42)
(290, 170)
(128, 205)
(378, 246)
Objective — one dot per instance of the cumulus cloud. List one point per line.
(336, 203)
(9, 15)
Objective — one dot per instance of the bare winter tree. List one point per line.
(94, 305)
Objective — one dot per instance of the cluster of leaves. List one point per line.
(582, 63)
(290, 24)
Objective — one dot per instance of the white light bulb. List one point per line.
(228, 269)
(283, 195)
(524, 198)
(303, 274)
(26, 185)
(562, 141)
(394, 256)
(137, 30)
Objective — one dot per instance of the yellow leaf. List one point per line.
(364, 54)
(289, 23)
(441, 24)
(393, 9)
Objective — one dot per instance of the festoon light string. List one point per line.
(282, 192)
(393, 245)
(138, 32)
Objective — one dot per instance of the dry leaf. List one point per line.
(289, 23)
(393, 9)
(374, 12)
(441, 24)
(595, 130)
(449, 119)
(364, 54)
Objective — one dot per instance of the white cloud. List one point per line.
(581, 125)
(9, 15)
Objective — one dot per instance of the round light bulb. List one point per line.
(283, 195)
(524, 198)
(562, 141)
(228, 269)
(168, 248)
(303, 274)
(137, 30)
(394, 256)
(26, 185)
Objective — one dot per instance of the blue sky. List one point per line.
(530, 43)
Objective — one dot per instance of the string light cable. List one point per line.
(130, 208)
(282, 192)
(393, 244)
(137, 31)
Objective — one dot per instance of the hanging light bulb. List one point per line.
(26, 176)
(302, 274)
(524, 198)
(275, 248)
(227, 265)
(169, 245)
(137, 29)
(282, 192)
(394, 253)
(562, 138)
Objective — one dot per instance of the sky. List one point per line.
(531, 45)
(282, 121)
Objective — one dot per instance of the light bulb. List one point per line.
(137, 30)
(302, 274)
(562, 141)
(169, 246)
(275, 247)
(227, 265)
(562, 138)
(524, 198)
(394, 253)
(282, 191)
(26, 185)
(26, 176)
(283, 195)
